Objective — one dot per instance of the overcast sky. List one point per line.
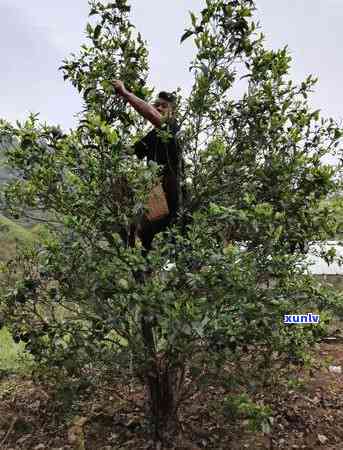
(37, 34)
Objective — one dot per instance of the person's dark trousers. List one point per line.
(148, 230)
(128, 237)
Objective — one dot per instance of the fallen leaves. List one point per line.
(335, 369)
(322, 439)
(76, 434)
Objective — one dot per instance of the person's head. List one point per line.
(166, 103)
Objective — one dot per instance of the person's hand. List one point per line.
(119, 87)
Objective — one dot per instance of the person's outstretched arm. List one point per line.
(142, 107)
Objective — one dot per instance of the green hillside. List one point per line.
(13, 358)
(10, 234)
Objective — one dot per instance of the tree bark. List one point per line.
(164, 380)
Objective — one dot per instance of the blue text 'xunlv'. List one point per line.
(301, 318)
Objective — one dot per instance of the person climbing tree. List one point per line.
(159, 145)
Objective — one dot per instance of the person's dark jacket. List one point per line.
(161, 145)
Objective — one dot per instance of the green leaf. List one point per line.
(89, 28)
(87, 91)
(186, 35)
(193, 18)
(123, 284)
(107, 86)
(227, 9)
(97, 31)
(245, 12)
(204, 69)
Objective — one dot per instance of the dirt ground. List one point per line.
(308, 416)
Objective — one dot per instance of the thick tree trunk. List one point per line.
(164, 380)
(163, 388)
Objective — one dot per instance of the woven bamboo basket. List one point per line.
(157, 204)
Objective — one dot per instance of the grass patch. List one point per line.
(10, 234)
(13, 357)
(12, 231)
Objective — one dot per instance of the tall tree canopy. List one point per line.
(255, 181)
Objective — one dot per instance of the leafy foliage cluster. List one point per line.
(256, 184)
